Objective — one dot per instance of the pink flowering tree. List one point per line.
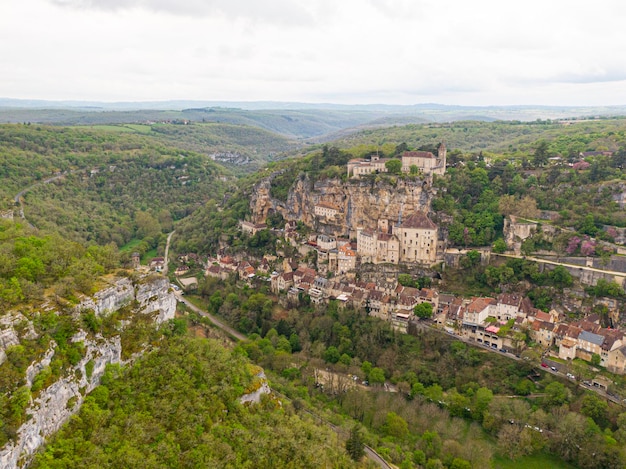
(588, 247)
(611, 232)
(572, 245)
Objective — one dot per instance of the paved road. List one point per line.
(377, 458)
(232, 332)
(547, 369)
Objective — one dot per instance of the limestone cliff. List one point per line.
(361, 202)
(56, 403)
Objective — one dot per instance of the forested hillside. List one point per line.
(111, 186)
(179, 407)
(511, 138)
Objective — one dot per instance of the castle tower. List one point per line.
(441, 157)
(135, 260)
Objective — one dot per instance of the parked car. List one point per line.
(544, 365)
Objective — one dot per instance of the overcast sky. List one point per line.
(481, 52)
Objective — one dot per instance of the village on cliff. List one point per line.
(362, 235)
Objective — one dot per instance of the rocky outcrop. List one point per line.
(55, 404)
(262, 387)
(362, 202)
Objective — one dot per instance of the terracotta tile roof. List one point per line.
(418, 154)
(569, 343)
(419, 220)
(376, 295)
(543, 316)
(327, 205)
(510, 299)
(588, 326)
(479, 304)
(610, 337)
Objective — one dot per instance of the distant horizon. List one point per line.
(264, 103)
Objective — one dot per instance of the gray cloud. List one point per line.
(601, 76)
(283, 12)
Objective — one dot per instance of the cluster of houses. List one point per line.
(501, 323)
(496, 322)
(386, 300)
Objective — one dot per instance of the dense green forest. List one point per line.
(38, 267)
(32, 262)
(179, 407)
(112, 187)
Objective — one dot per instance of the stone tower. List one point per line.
(441, 156)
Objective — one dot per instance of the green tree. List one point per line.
(541, 155)
(332, 354)
(556, 394)
(396, 426)
(354, 444)
(499, 246)
(596, 408)
(423, 310)
(376, 376)
(561, 277)
(394, 166)
(596, 359)
(482, 399)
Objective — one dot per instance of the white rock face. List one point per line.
(8, 334)
(52, 408)
(110, 299)
(153, 296)
(255, 397)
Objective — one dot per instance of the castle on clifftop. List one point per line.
(425, 161)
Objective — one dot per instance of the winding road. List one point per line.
(18, 197)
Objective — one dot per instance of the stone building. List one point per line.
(425, 161)
(413, 240)
(418, 239)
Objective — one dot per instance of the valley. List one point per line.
(445, 262)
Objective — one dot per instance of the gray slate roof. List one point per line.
(591, 337)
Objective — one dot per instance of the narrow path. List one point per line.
(574, 266)
(229, 330)
(167, 250)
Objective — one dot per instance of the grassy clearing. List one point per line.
(148, 256)
(131, 245)
(111, 128)
(141, 128)
(534, 461)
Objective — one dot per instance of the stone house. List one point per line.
(326, 210)
(251, 228)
